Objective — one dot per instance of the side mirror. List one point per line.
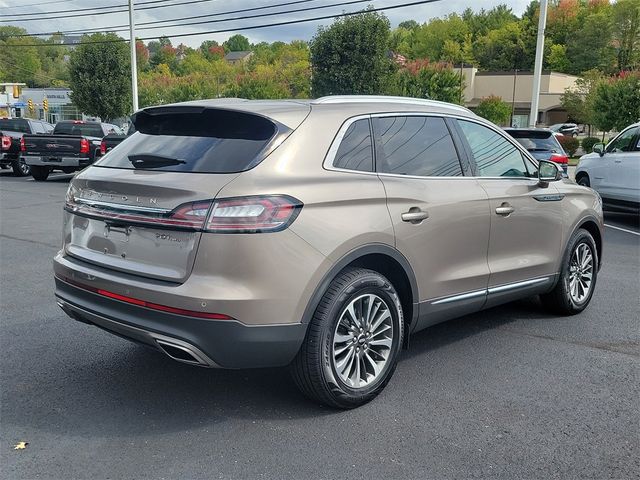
(548, 172)
(599, 148)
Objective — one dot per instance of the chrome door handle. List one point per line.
(617, 161)
(414, 215)
(505, 209)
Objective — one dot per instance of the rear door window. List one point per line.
(197, 140)
(81, 129)
(356, 149)
(416, 145)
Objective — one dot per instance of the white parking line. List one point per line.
(622, 229)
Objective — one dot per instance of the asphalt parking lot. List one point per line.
(511, 392)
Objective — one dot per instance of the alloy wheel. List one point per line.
(362, 340)
(581, 273)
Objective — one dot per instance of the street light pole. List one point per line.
(134, 63)
(513, 96)
(537, 72)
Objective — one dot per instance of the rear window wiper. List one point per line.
(146, 160)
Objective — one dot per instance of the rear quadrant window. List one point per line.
(356, 150)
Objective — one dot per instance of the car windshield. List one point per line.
(14, 125)
(536, 141)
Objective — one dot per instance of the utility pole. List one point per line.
(537, 72)
(513, 96)
(134, 63)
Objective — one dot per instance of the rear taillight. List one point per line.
(23, 145)
(253, 214)
(84, 145)
(559, 158)
(5, 143)
(232, 215)
(103, 147)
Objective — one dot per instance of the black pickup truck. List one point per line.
(72, 146)
(114, 139)
(11, 132)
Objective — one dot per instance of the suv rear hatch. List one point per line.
(142, 207)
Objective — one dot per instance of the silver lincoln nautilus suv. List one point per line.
(317, 234)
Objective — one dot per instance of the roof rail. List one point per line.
(384, 99)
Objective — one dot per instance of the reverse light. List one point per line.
(5, 143)
(84, 145)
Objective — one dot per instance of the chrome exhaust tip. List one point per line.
(183, 352)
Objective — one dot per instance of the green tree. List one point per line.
(100, 76)
(408, 25)
(504, 49)
(617, 102)
(430, 39)
(557, 58)
(351, 56)
(590, 47)
(19, 63)
(494, 109)
(578, 100)
(626, 31)
(237, 43)
(485, 21)
(424, 79)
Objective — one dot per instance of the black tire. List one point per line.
(39, 173)
(68, 169)
(583, 180)
(560, 300)
(314, 368)
(20, 169)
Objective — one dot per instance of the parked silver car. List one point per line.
(614, 171)
(318, 234)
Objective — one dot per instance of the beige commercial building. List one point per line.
(515, 88)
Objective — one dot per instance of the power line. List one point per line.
(120, 5)
(114, 27)
(251, 27)
(37, 3)
(270, 14)
(150, 7)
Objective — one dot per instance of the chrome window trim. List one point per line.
(335, 144)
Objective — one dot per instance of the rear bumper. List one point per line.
(64, 161)
(210, 343)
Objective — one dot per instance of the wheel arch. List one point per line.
(591, 226)
(383, 259)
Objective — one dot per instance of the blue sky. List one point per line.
(420, 13)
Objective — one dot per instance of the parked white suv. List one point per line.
(614, 171)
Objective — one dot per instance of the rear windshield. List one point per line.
(536, 141)
(82, 129)
(14, 125)
(193, 140)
